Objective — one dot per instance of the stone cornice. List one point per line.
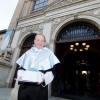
(61, 3)
(53, 6)
(33, 14)
(92, 12)
(56, 21)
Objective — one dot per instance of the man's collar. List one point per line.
(37, 49)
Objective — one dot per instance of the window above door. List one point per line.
(38, 4)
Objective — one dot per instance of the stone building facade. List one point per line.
(49, 19)
(2, 34)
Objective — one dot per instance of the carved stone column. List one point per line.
(51, 47)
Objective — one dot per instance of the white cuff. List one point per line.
(48, 76)
(20, 73)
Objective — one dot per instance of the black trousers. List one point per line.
(32, 91)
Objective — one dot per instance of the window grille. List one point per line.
(29, 41)
(38, 4)
(78, 30)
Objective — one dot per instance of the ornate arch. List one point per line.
(26, 36)
(78, 30)
(89, 19)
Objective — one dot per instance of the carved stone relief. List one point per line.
(55, 5)
(52, 41)
(94, 12)
(7, 53)
(60, 3)
(57, 21)
(31, 28)
(48, 20)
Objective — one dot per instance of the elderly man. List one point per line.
(44, 61)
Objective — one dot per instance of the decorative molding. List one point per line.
(5, 63)
(75, 16)
(18, 28)
(19, 46)
(30, 29)
(33, 14)
(57, 21)
(48, 20)
(54, 5)
(61, 3)
(52, 41)
(93, 12)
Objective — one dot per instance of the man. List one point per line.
(44, 60)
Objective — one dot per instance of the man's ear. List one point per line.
(34, 41)
(44, 44)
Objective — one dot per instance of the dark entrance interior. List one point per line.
(79, 73)
(82, 69)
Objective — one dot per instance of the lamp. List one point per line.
(76, 43)
(79, 47)
(75, 49)
(84, 72)
(71, 46)
(81, 50)
(83, 44)
(87, 46)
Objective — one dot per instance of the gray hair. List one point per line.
(41, 35)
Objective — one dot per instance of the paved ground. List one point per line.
(6, 92)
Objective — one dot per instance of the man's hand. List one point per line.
(41, 82)
(19, 78)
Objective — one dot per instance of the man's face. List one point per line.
(39, 41)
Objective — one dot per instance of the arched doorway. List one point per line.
(79, 71)
(27, 44)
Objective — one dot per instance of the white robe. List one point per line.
(42, 59)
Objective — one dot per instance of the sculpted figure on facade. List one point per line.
(7, 53)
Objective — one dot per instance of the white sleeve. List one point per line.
(20, 61)
(48, 76)
(53, 59)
